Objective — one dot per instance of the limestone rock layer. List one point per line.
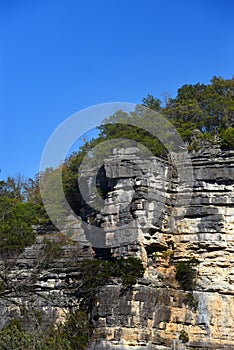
(139, 216)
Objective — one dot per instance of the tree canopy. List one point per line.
(207, 108)
(20, 208)
(201, 113)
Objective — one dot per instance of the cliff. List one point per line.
(139, 217)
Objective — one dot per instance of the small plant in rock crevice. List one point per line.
(184, 337)
(191, 301)
(186, 273)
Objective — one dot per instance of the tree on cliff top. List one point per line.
(20, 208)
(205, 108)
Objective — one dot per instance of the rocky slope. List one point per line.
(139, 217)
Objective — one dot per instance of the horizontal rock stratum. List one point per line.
(139, 218)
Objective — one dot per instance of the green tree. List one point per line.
(74, 334)
(227, 137)
(208, 108)
(18, 212)
(151, 102)
(16, 222)
(14, 337)
(12, 188)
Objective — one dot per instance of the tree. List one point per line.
(151, 102)
(16, 222)
(20, 208)
(227, 137)
(208, 108)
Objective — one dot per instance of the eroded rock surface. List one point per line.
(137, 216)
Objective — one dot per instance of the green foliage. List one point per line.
(208, 108)
(73, 334)
(129, 270)
(20, 208)
(202, 114)
(166, 254)
(53, 194)
(14, 337)
(186, 273)
(184, 337)
(127, 131)
(151, 102)
(96, 273)
(32, 195)
(191, 301)
(227, 137)
(122, 127)
(16, 223)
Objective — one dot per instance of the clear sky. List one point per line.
(58, 57)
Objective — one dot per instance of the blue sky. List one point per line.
(58, 57)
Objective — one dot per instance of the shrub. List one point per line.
(228, 138)
(14, 336)
(96, 273)
(186, 274)
(191, 301)
(72, 335)
(184, 337)
(16, 224)
(129, 270)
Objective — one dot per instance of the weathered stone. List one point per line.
(139, 218)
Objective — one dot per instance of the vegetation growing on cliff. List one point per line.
(202, 114)
(186, 273)
(184, 337)
(21, 207)
(17, 216)
(97, 273)
(73, 334)
(78, 329)
(191, 300)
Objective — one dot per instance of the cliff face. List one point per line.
(157, 312)
(139, 217)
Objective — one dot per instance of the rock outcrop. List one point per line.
(138, 216)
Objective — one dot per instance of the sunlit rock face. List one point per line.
(205, 231)
(134, 213)
(131, 204)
